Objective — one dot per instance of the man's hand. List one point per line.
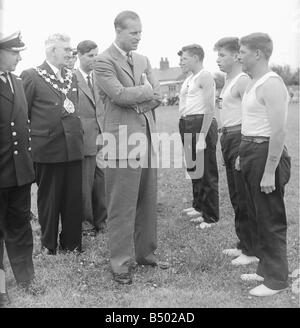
(145, 81)
(267, 184)
(237, 165)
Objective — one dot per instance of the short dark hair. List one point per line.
(86, 46)
(258, 41)
(194, 50)
(122, 16)
(229, 43)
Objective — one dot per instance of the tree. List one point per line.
(289, 77)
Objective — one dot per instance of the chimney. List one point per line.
(164, 64)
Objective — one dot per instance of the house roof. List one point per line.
(169, 74)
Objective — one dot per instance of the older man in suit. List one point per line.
(57, 146)
(130, 94)
(91, 112)
(16, 168)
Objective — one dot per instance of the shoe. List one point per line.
(102, 228)
(244, 260)
(123, 278)
(193, 213)
(251, 277)
(187, 209)
(4, 300)
(32, 287)
(263, 290)
(205, 225)
(233, 252)
(199, 219)
(47, 251)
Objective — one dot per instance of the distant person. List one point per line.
(57, 146)
(230, 109)
(16, 169)
(197, 109)
(91, 111)
(72, 60)
(265, 163)
(130, 94)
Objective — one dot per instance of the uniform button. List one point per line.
(28, 121)
(14, 134)
(29, 139)
(12, 123)
(15, 143)
(16, 152)
(29, 148)
(29, 130)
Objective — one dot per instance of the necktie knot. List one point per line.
(129, 59)
(59, 76)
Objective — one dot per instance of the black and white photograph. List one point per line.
(149, 157)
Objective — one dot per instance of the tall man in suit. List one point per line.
(91, 112)
(16, 168)
(57, 145)
(130, 94)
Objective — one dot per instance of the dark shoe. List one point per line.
(102, 228)
(123, 278)
(4, 300)
(46, 251)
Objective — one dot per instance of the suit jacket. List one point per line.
(16, 167)
(91, 112)
(57, 136)
(122, 93)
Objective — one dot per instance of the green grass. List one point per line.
(200, 275)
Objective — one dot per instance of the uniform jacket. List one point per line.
(121, 92)
(16, 167)
(57, 136)
(91, 112)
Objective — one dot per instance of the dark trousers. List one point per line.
(267, 213)
(16, 231)
(205, 189)
(93, 193)
(98, 198)
(230, 143)
(60, 195)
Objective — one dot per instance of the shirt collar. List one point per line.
(124, 53)
(54, 68)
(84, 74)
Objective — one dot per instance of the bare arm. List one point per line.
(207, 83)
(241, 84)
(274, 97)
(107, 80)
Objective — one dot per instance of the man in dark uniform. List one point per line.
(16, 168)
(57, 146)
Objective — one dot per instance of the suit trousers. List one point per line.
(131, 198)
(230, 143)
(93, 193)
(16, 231)
(205, 189)
(267, 213)
(60, 195)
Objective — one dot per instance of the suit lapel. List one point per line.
(122, 61)
(17, 106)
(5, 93)
(83, 86)
(46, 67)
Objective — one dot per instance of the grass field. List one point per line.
(200, 276)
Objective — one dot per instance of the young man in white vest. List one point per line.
(230, 109)
(197, 109)
(265, 163)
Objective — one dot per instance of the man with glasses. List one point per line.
(57, 145)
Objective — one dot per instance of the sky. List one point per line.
(167, 25)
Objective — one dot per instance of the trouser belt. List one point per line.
(229, 129)
(255, 139)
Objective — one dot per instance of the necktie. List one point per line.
(129, 60)
(59, 76)
(4, 78)
(89, 83)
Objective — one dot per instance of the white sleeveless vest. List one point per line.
(255, 120)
